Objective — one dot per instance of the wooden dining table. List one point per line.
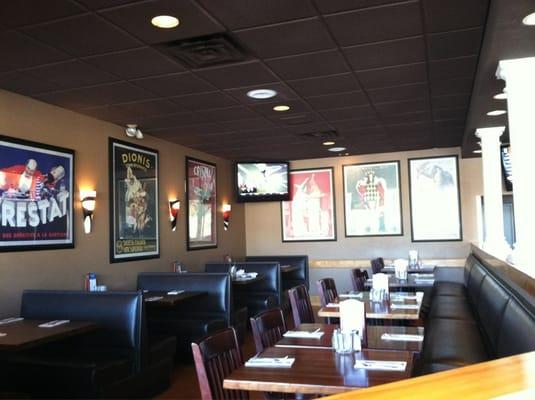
(318, 371)
(25, 334)
(373, 340)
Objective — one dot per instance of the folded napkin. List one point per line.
(3, 334)
(304, 334)
(402, 337)
(333, 305)
(10, 320)
(267, 362)
(404, 306)
(52, 324)
(154, 298)
(174, 292)
(381, 365)
(351, 295)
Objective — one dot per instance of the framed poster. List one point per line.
(435, 199)
(201, 192)
(36, 196)
(310, 214)
(134, 230)
(372, 199)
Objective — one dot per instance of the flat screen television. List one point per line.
(507, 168)
(262, 181)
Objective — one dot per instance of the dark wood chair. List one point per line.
(358, 278)
(327, 291)
(377, 265)
(216, 356)
(300, 303)
(268, 328)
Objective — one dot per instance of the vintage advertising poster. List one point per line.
(133, 202)
(201, 194)
(435, 203)
(36, 196)
(310, 215)
(372, 199)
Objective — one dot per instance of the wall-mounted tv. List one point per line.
(507, 168)
(262, 181)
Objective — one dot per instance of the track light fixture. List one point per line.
(132, 130)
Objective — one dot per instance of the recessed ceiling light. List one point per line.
(501, 96)
(282, 107)
(529, 19)
(328, 143)
(495, 113)
(260, 94)
(165, 21)
(336, 149)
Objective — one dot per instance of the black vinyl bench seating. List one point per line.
(259, 296)
(118, 359)
(195, 318)
(487, 317)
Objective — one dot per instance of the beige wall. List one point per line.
(263, 220)
(24, 118)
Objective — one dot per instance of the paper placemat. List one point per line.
(402, 337)
(154, 298)
(265, 362)
(333, 305)
(3, 334)
(351, 295)
(303, 334)
(381, 365)
(174, 292)
(52, 324)
(395, 306)
(6, 321)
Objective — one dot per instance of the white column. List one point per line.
(494, 242)
(519, 75)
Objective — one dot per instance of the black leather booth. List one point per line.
(194, 318)
(116, 360)
(258, 296)
(487, 317)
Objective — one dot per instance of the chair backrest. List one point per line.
(377, 265)
(301, 307)
(268, 328)
(327, 291)
(296, 277)
(216, 356)
(358, 278)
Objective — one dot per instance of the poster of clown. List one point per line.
(134, 230)
(372, 199)
(36, 196)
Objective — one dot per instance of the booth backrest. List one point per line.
(270, 271)
(217, 286)
(119, 316)
(296, 277)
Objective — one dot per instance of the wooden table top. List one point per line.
(25, 334)
(424, 268)
(378, 310)
(170, 300)
(289, 268)
(373, 338)
(412, 281)
(501, 377)
(317, 371)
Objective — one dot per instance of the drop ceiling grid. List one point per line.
(384, 65)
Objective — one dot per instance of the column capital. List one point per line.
(495, 131)
(524, 66)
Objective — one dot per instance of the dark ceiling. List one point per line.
(385, 75)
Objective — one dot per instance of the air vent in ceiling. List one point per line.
(323, 135)
(205, 51)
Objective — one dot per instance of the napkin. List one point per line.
(304, 334)
(10, 320)
(352, 316)
(381, 365)
(351, 295)
(380, 281)
(3, 334)
(268, 362)
(404, 306)
(154, 298)
(174, 292)
(402, 337)
(56, 322)
(333, 305)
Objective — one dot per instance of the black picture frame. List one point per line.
(375, 166)
(439, 197)
(284, 236)
(201, 181)
(36, 196)
(134, 202)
